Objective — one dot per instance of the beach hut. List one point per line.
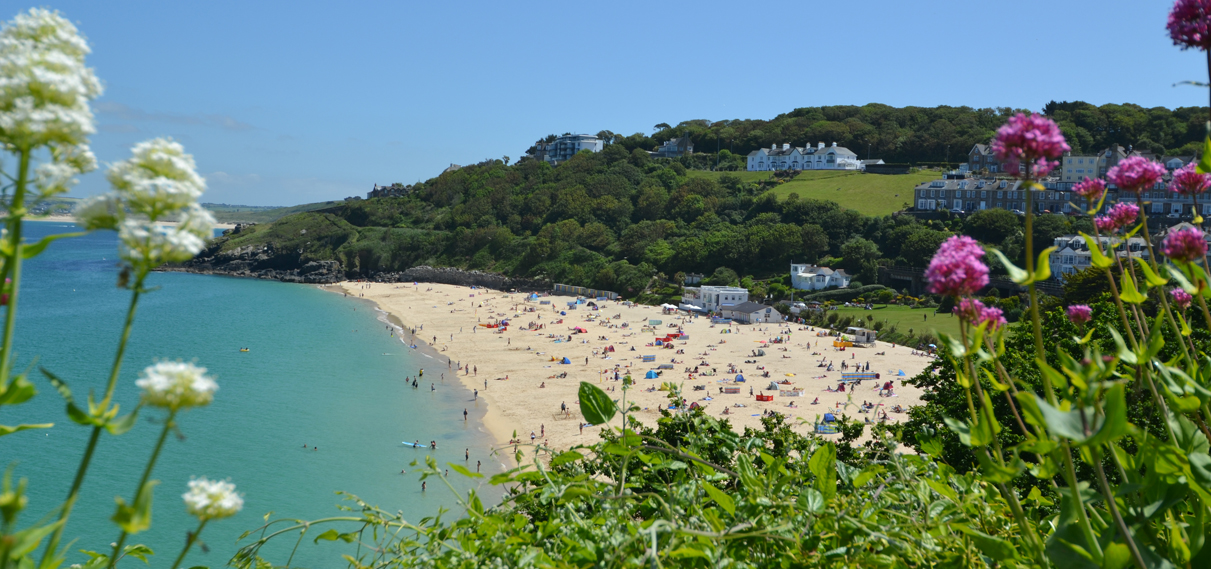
(739, 378)
(565, 361)
(651, 374)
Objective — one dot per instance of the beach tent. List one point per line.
(651, 375)
(773, 386)
(828, 418)
(565, 361)
(761, 352)
(901, 373)
(739, 377)
(581, 330)
(562, 313)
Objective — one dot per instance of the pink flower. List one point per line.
(969, 309)
(1185, 245)
(1034, 140)
(1091, 190)
(1080, 314)
(1136, 174)
(1119, 216)
(1188, 182)
(1182, 298)
(993, 316)
(956, 269)
(1188, 21)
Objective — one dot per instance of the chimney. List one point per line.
(786, 146)
(820, 146)
(834, 145)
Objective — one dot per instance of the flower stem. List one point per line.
(86, 461)
(16, 210)
(193, 536)
(151, 463)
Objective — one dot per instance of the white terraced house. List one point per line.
(793, 158)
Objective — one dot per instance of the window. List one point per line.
(999, 194)
(1158, 207)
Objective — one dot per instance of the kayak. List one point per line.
(417, 445)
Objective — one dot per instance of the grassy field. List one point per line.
(903, 318)
(870, 194)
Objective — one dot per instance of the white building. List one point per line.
(752, 313)
(1073, 255)
(713, 298)
(811, 277)
(566, 146)
(819, 158)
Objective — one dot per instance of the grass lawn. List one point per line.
(870, 194)
(904, 318)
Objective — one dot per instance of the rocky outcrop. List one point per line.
(266, 262)
(263, 262)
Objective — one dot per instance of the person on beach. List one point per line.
(422, 485)
(477, 393)
(477, 466)
(468, 454)
(464, 415)
(432, 387)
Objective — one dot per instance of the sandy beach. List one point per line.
(519, 375)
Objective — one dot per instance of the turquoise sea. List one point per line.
(322, 371)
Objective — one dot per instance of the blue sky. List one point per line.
(292, 102)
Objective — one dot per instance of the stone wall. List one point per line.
(453, 276)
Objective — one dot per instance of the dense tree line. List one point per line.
(926, 134)
(614, 220)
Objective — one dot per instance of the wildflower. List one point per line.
(995, 318)
(1120, 215)
(969, 310)
(1181, 297)
(1136, 174)
(1080, 314)
(1188, 182)
(956, 269)
(1034, 140)
(44, 85)
(176, 385)
(212, 499)
(159, 178)
(1091, 190)
(1188, 22)
(99, 212)
(1185, 245)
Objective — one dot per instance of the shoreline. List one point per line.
(72, 219)
(483, 415)
(523, 388)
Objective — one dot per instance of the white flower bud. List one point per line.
(212, 499)
(99, 212)
(176, 385)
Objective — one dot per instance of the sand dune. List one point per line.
(510, 367)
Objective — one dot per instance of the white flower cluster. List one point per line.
(176, 385)
(212, 499)
(157, 182)
(44, 93)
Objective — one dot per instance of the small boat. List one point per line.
(243, 349)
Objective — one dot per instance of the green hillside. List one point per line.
(869, 194)
(225, 213)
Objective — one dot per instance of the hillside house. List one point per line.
(812, 277)
(787, 157)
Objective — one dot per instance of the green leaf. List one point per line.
(1116, 556)
(566, 457)
(122, 424)
(31, 250)
(995, 473)
(464, 471)
(1182, 281)
(994, 547)
(18, 391)
(1124, 353)
(823, 464)
(595, 404)
(136, 517)
(960, 428)
(7, 430)
(1042, 269)
(1099, 260)
(1204, 162)
(333, 535)
(720, 498)
(1016, 274)
(138, 551)
(26, 541)
(1150, 276)
(1128, 292)
(811, 500)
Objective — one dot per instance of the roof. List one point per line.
(748, 307)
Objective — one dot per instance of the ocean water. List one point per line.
(322, 371)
